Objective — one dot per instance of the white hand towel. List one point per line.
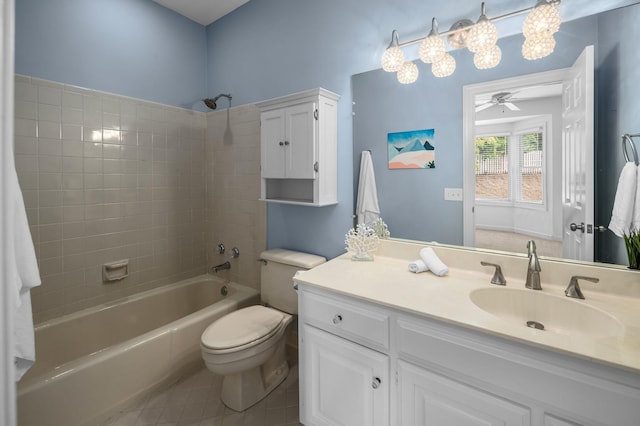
(623, 205)
(635, 221)
(27, 276)
(367, 208)
(418, 266)
(433, 262)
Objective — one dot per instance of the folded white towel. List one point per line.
(433, 262)
(418, 266)
(622, 214)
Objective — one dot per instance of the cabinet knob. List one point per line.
(286, 143)
(337, 319)
(280, 143)
(376, 382)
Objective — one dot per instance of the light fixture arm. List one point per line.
(457, 30)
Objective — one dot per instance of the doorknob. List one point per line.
(575, 227)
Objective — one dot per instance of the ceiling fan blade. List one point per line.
(482, 107)
(511, 106)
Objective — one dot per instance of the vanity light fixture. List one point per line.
(542, 22)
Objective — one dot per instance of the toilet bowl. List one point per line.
(247, 346)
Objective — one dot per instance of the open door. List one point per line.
(577, 158)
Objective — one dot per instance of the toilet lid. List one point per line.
(242, 327)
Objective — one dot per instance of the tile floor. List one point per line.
(195, 401)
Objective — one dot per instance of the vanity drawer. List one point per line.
(346, 318)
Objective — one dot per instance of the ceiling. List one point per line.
(202, 11)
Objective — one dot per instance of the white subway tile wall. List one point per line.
(109, 177)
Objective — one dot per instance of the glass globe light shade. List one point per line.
(431, 49)
(444, 67)
(408, 73)
(392, 59)
(482, 35)
(487, 58)
(538, 47)
(544, 18)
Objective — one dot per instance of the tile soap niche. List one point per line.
(115, 271)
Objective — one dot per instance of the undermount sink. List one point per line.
(555, 314)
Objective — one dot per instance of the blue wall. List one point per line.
(264, 49)
(129, 47)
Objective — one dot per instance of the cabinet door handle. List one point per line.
(286, 143)
(376, 382)
(337, 319)
(280, 143)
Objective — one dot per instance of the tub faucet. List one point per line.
(221, 267)
(533, 269)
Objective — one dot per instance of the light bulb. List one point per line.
(392, 59)
(408, 73)
(538, 47)
(482, 35)
(544, 18)
(431, 49)
(445, 66)
(487, 58)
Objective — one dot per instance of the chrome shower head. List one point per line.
(211, 102)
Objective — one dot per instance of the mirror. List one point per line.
(412, 200)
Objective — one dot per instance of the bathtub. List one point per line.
(91, 363)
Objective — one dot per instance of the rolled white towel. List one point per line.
(418, 266)
(433, 262)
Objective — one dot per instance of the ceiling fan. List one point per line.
(502, 98)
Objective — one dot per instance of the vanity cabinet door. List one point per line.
(430, 399)
(344, 383)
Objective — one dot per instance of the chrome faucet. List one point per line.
(533, 269)
(221, 267)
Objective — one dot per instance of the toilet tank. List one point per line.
(276, 276)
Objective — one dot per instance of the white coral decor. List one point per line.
(362, 242)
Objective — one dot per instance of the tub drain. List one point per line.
(535, 324)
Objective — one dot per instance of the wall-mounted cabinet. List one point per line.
(298, 148)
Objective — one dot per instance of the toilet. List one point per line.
(247, 346)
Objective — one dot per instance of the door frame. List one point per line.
(469, 92)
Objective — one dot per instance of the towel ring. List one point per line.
(628, 138)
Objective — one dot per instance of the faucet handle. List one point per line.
(573, 289)
(497, 278)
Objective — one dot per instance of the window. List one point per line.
(510, 167)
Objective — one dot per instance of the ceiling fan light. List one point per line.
(538, 47)
(393, 57)
(487, 58)
(408, 73)
(544, 18)
(444, 67)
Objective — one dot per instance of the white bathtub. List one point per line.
(93, 362)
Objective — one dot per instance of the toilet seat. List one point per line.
(242, 329)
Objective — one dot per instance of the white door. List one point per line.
(347, 384)
(272, 136)
(577, 158)
(300, 141)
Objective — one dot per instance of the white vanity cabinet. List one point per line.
(438, 373)
(298, 148)
(345, 381)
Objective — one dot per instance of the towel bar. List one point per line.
(629, 138)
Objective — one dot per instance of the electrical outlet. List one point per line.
(453, 194)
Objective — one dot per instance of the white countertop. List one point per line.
(387, 281)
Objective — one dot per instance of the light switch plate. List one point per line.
(453, 194)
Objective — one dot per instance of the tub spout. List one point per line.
(220, 267)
